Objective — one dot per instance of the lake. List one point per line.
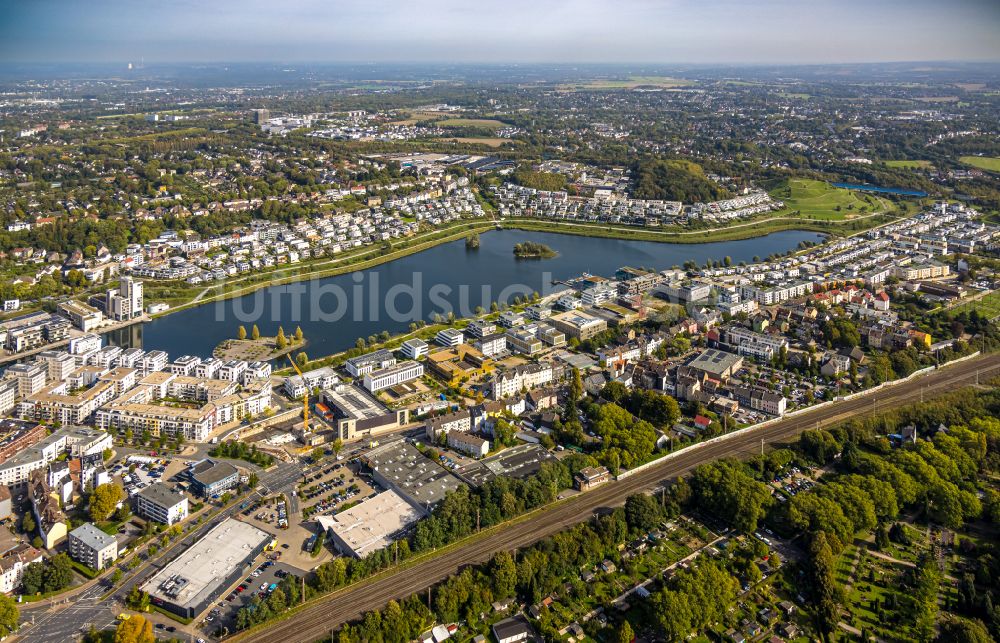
(334, 311)
(875, 188)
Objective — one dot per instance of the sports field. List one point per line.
(989, 163)
(988, 305)
(820, 200)
(909, 165)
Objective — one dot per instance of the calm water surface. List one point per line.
(334, 311)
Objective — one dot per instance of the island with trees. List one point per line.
(533, 250)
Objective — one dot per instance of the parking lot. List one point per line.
(326, 489)
(138, 472)
(266, 573)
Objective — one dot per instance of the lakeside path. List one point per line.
(316, 620)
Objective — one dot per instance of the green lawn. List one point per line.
(908, 164)
(989, 305)
(820, 200)
(662, 82)
(989, 163)
(489, 123)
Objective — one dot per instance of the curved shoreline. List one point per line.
(337, 266)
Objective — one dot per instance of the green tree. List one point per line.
(137, 599)
(104, 500)
(301, 359)
(298, 333)
(9, 615)
(642, 512)
(503, 573)
(625, 633)
(960, 630)
(28, 523)
(135, 629)
(823, 585)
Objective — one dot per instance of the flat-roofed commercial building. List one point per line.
(393, 375)
(190, 583)
(413, 348)
(717, 364)
(398, 465)
(30, 378)
(524, 341)
(8, 396)
(372, 524)
(83, 316)
(363, 364)
(157, 502)
(521, 462)
(449, 337)
(579, 324)
(357, 414)
(211, 477)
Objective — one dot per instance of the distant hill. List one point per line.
(673, 180)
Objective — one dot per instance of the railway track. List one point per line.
(321, 617)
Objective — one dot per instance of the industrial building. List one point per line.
(357, 414)
(522, 461)
(397, 465)
(190, 583)
(371, 525)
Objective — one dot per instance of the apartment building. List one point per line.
(157, 502)
(30, 378)
(92, 547)
(126, 301)
(468, 444)
(526, 377)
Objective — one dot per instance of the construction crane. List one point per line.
(305, 396)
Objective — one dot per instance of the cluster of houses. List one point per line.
(608, 205)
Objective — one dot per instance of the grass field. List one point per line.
(988, 305)
(487, 123)
(661, 82)
(820, 200)
(989, 163)
(482, 140)
(909, 165)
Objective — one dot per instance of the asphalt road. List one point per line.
(67, 621)
(318, 619)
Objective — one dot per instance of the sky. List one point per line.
(510, 31)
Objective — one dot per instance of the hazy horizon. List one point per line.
(725, 32)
